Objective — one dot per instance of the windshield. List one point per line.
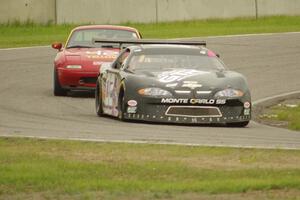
(169, 61)
(84, 38)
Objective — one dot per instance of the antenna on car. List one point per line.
(121, 43)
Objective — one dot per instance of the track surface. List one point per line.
(27, 107)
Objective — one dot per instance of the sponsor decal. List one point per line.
(131, 109)
(178, 75)
(101, 54)
(247, 104)
(246, 111)
(110, 57)
(97, 63)
(132, 103)
(193, 101)
(191, 85)
(104, 53)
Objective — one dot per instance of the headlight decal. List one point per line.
(154, 92)
(229, 92)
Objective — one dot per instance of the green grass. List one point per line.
(30, 34)
(110, 170)
(284, 113)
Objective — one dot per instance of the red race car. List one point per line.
(76, 65)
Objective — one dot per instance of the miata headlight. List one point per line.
(229, 93)
(73, 67)
(155, 92)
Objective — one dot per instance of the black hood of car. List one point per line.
(192, 78)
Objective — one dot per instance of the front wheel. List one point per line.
(98, 98)
(121, 105)
(238, 124)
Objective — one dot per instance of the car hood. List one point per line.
(190, 79)
(90, 56)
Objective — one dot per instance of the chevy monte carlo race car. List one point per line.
(172, 82)
(77, 65)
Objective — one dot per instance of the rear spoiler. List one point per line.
(146, 41)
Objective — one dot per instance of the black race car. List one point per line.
(172, 82)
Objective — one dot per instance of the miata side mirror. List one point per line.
(57, 45)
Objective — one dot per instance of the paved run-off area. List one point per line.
(28, 107)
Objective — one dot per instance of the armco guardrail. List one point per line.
(118, 11)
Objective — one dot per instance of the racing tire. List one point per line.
(238, 124)
(121, 105)
(57, 89)
(98, 99)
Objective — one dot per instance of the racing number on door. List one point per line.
(111, 91)
(112, 86)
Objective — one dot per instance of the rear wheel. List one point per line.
(238, 124)
(98, 98)
(57, 89)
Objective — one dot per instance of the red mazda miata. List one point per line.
(76, 65)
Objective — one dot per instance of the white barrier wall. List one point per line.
(170, 10)
(278, 7)
(118, 11)
(105, 11)
(39, 11)
(144, 11)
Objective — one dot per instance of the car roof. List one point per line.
(113, 27)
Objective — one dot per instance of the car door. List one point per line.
(111, 85)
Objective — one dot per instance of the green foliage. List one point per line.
(30, 166)
(16, 34)
(289, 114)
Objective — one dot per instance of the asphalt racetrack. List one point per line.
(28, 108)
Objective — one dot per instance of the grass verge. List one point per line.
(285, 114)
(87, 170)
(30, 34)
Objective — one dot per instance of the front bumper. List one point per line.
(231, 112)
(77, 79)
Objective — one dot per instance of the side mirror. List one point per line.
(57, 45)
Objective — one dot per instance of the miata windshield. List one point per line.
(83, 38)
